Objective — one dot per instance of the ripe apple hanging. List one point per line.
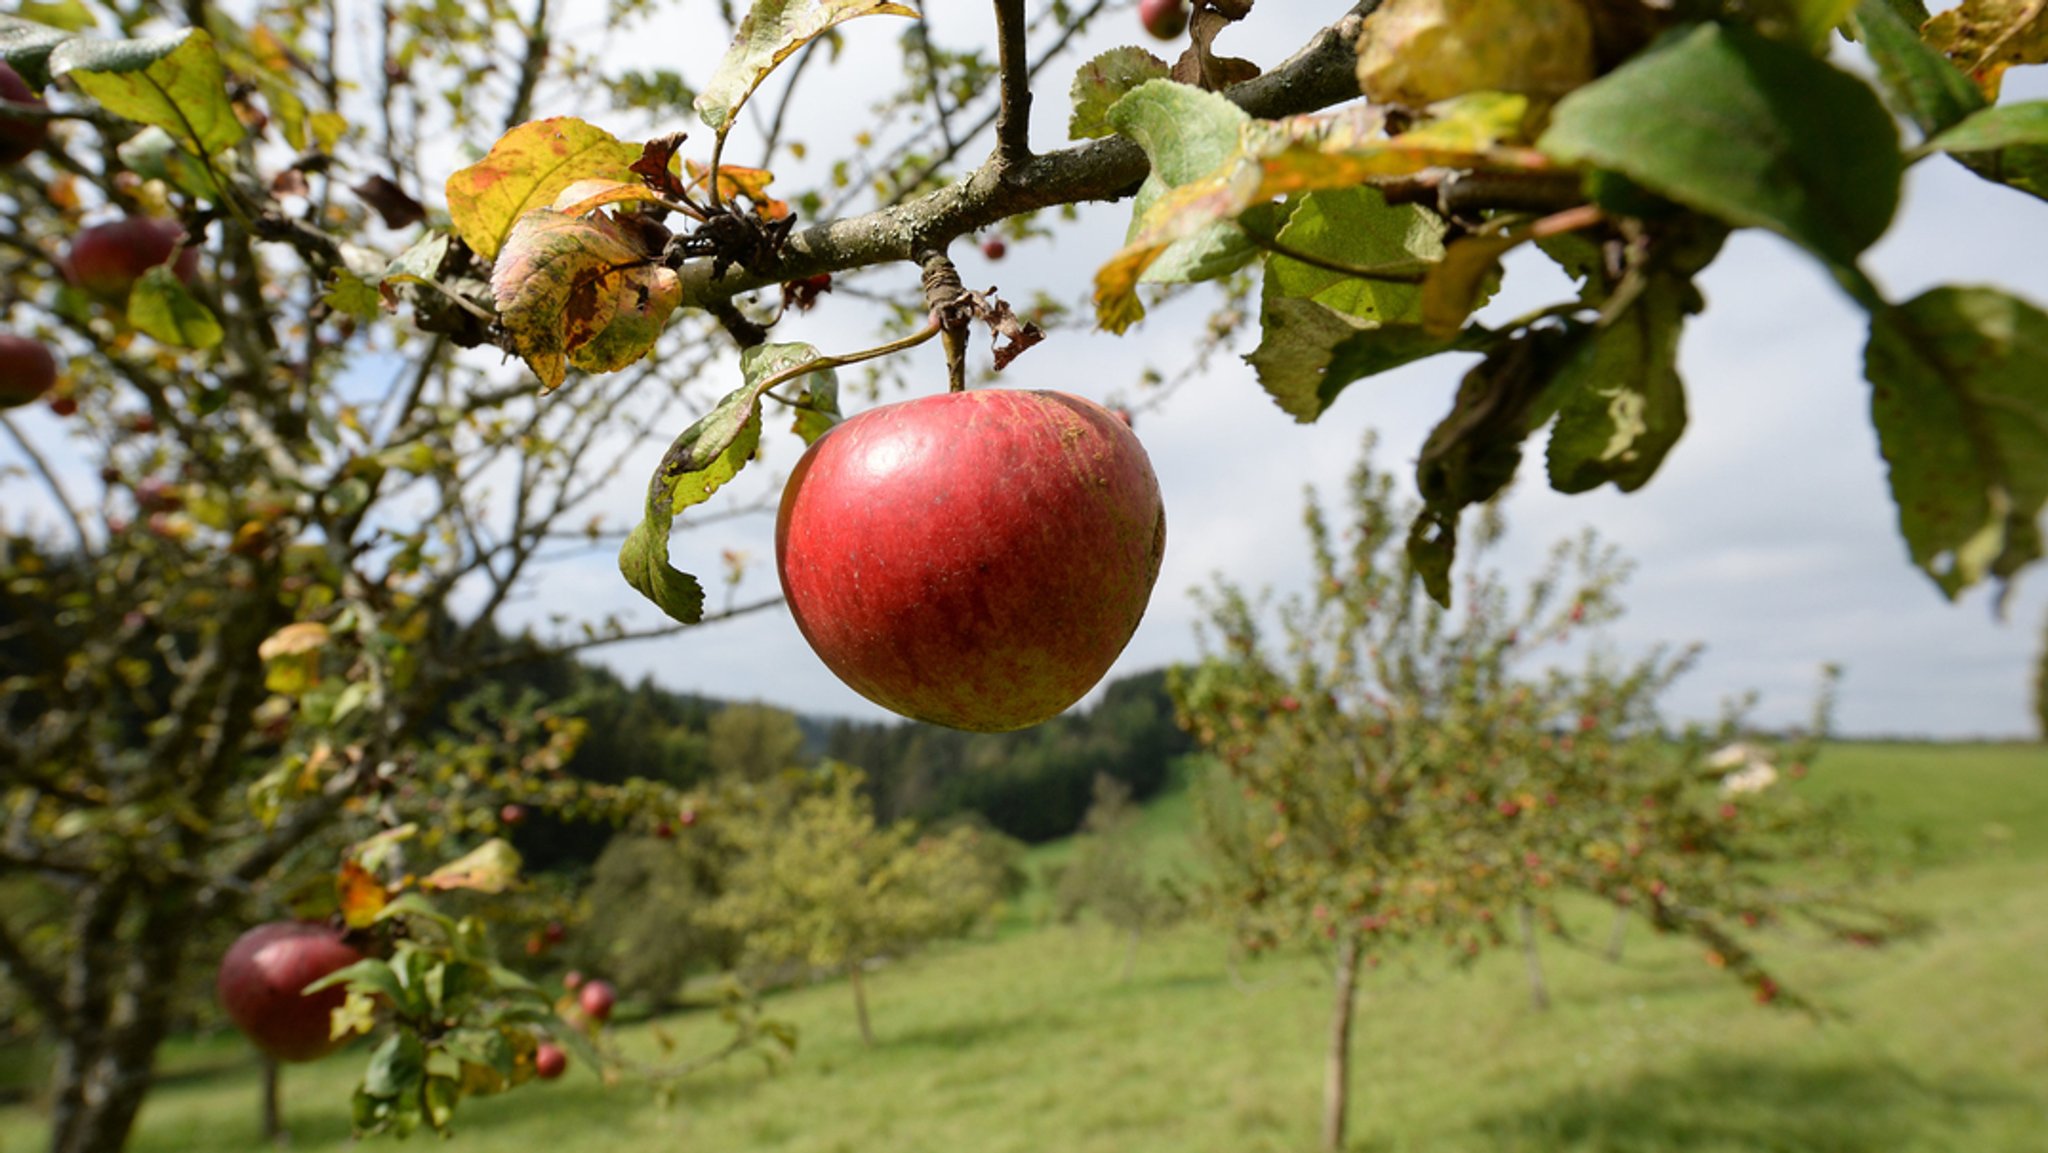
(261, 985)
(972, 559)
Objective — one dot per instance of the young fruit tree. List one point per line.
(817, 882)
(1404, 772)
(261, 526)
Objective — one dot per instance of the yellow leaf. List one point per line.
(527, 169)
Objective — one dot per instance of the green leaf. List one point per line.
(397, 1067)
(160, 306)
(1961, 407)
(1355, 228)
(769, 33)
(2001, 126)
(708, 453)
(1187, 134)
(353, 296)
(820, 406)
(492, 867)
(1309, 354)
(1747, 130)
(1622, 405)
(440, 1097)
(154, 155)
(370, 975)
(526, 170)
(1102, 82)
(70, 15)
(25, 46)
(1918, 81)
(175, 83)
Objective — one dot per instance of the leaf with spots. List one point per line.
(1103, 81)
(176, 83)
(578, 289)
(1961, 408)
(526, 170)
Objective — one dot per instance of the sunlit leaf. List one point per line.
(163, 308)
(1417, 52)
(491, 867)
(525, 170)
(291, 657)
(578, 288)
(174, 82)
(1985, 37)
(1916, 79)
(770, 32)
(360, 895)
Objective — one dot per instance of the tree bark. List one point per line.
(860, 1004)
(1337, 1068)
(273, 1117)
(1539, 991)
(1618, 934)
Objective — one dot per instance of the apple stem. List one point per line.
(952, 311)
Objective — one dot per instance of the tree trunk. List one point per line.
(273, 1117)
(1539, 992)
(1337, 1069)
(860, 1004)
(1618, 934)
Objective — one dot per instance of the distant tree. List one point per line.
(753, 741)
(818, 881)
(1107, 874)
(648, 925)
(1408, 772)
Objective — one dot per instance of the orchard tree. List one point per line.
(297, 485)
(1107, 875)
(818, 882)
(1411, 773)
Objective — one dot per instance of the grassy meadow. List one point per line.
(1028, 1040)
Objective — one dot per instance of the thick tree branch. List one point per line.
(1321, 75)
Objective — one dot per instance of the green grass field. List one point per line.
(1029, 1040)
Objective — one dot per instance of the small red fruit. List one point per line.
(64, 405)
(972, 559)
(107, 259)
(512, 814)
(27, 369)
(597, 998)
(262, 981)
(555, 932)
(549, 1062)
(18, 138)
(572, 980)
(664, 831)
(687, 817)
(1509, 808)
(1164, 19)
(995, 248)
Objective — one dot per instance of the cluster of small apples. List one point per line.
(104, 260)
(972, 559)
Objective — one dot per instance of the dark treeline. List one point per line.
(1034, 785)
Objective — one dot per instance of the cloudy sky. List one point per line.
(1769, 534)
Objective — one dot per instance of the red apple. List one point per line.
(555, 932)
(995, 248)
(972, 559)
(572, 980)
(64, 405)
(512, 814)
(18, 138)
(597, 998)
(549, 1062)
(261, 982)
(1165, 19)
(107, 259)
(687, 817)
(27, 369)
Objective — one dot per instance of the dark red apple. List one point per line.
(572, 980)
(107, 259)
(597, 998)
(1165, 19)
(549, 1062)
(972, 559)
(555, 932)
(512, 814)
(27, 369)
(995, 248)
(261, 981)
(18, 138)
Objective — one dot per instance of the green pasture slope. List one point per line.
(1028, 1041)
